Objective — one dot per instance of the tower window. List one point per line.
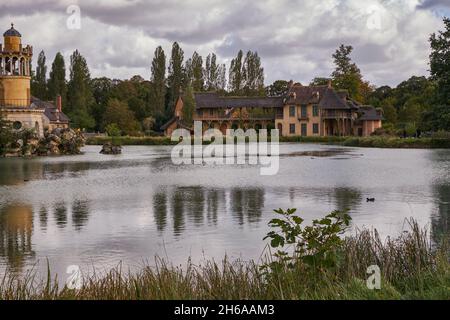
(17, 125)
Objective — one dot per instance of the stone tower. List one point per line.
(15, 73)
(15, 78)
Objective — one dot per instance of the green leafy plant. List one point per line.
(317, 246)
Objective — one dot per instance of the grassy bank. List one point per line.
(371, 142)
(410, 269)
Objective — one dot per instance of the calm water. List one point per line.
(94, 210)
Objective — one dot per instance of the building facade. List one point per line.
(16, 102)
(303, 111)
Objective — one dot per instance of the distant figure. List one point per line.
(370, 199)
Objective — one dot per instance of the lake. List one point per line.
(95, 210)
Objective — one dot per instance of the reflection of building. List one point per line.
(16, 228)
(19, 107)
(303, 111)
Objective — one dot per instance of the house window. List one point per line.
(292, 128)
(315, 110)
(291, 111)
(304, 111)
(315, 128)
(200, 112)
(304, 130)
(211, 112)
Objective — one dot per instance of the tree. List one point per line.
(198, 82)
(440, 62)
(236, 79)
(211, 72)
(101, 89)
(278, 88)
(117, 112)
(188, 105)
(57, 82)
(6, 134)
(253, 75)
(220, 83)
(319, 81)
(39, 81)
(389, 111)
(346, 75)
(159, 82)
(80, 98)
(176, 79)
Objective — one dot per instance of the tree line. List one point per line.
(138, 105)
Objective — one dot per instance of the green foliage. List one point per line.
(177, 77)
(195, 72)
(118, 113)
(6, 134)
(188, 106)
(158, 78)
(113, 130)
(317, 246)
(347, 75)
(57, 81)
(278, 88)
(39, 80)
(440, 62)
(319, 81)
(215, 74)
(80, 98)
(235, 77)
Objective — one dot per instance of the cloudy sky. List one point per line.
(295, 38)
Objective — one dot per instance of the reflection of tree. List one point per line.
(60, 212)
(178, 212)
(43, 217)
(160, 210)
(17, 171)
(80, 213)
(195, 198)
(440, 223)
(16, 229)
(347, 198)
(213, 197)
(247, 202)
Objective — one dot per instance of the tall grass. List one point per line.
(411, 268)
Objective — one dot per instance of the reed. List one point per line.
(411, 268)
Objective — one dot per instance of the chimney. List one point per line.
(59, 103)
(329, 83)
(290, 84)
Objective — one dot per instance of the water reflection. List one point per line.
(80, 213)
(16, 229)
(440, 221)
(87, 210)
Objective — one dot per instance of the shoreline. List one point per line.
(363, 142)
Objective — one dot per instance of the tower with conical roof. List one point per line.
(15, 78)
(15, 73)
